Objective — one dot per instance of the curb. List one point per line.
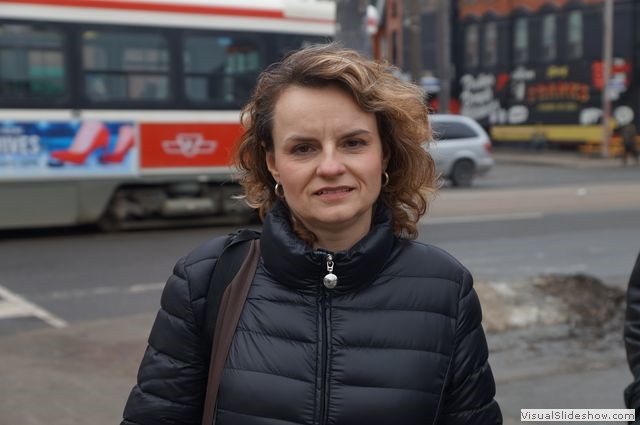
(555, 160)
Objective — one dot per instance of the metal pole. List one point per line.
(415, 42)
(351, 25)
(607, 60)
(443, 48)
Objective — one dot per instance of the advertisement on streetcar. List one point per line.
(67, 149)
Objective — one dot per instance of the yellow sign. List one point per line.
(553, 133)
(557, 107)
(554, 71)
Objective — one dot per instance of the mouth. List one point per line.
(333, 190)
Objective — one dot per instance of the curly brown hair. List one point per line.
(401, 114)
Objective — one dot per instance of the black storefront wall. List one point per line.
(566, 91)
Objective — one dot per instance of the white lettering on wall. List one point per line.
(519, 78)
(477, 98)
(590, 116)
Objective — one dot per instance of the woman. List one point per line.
(332, 156)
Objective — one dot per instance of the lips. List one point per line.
(333, 190)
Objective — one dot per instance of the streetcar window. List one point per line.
(451, 130)
(32, 64)
(125, 66)
(574, 35)
(471, 46)
(549, 38)
(286, 43)
(221, 69)
(521, 41)
(490, 44)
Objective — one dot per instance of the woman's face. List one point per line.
(328, 157)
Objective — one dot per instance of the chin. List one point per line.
(338, 216)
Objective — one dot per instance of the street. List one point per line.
(76, 305)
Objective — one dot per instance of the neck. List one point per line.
(332, 237)
(339, 239)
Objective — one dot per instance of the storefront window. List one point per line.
(521, 41)
(490, 44)
(549, 46)
(471, 46)
(574, 35)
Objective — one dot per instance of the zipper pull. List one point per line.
(330, 280)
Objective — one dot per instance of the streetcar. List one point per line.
(125, 112)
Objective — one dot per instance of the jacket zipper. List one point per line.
(323, 366)
(325, 301)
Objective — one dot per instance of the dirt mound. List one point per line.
(589, 302)
(580, 302)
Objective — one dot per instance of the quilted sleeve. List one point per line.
(470, 388)
(172, 376)
(632, 337)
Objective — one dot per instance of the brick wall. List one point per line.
(478, 8)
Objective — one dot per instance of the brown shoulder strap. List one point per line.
(228, 316)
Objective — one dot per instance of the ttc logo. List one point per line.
(189, 145)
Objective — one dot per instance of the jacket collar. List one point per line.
(295, 264)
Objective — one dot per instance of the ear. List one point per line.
(385, 162)
(271, 165)
(386, 156)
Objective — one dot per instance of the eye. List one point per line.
(354, 143)
(301, 149)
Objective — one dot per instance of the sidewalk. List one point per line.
(555, 343)
(83, 373)
(77, 375)
(554, 158)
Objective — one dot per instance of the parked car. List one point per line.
(461, 148)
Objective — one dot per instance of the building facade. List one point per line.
(522, 65)
(527, 64)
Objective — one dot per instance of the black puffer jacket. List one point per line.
(632, 338)
(398, 341)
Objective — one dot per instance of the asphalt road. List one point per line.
(600, 244)
(83, 277)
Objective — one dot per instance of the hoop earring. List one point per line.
(386, 179)
(279, 190)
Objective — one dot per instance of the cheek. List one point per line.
(375, 170)
(292, 177)
(375, 180)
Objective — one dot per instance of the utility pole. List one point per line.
(351, 25)
(607, 60)
(443, 55)
(415, 40)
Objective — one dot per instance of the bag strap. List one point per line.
(228, 314)
(232, 257)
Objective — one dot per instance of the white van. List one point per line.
(460, 147)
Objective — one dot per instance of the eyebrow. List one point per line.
(299, 138)
(303, 138)
(356, 132)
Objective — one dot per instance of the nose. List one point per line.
(330, 164)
